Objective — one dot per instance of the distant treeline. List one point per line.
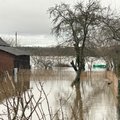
(50, 51)
(69, 51)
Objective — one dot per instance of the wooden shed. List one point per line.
(11, 57)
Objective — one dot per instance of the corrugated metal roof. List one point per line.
(3, 43)
(14, 51)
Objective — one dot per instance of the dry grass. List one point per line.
(52, 75)
(6, 90)
(24, 77)
(8, 87)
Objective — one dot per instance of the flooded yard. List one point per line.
(48, 95)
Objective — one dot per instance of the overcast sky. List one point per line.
(30, 19)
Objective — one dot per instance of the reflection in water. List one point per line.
(99, 102)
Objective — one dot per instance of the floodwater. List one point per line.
(53, 98)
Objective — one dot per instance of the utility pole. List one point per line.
(15, 39)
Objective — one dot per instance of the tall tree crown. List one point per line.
(82, 22)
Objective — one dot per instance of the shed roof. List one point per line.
(3, 43)
(14, 51)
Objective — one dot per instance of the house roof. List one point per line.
(3, 43)
(14, 51)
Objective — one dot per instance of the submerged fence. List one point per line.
(109, 76)
(112, 77)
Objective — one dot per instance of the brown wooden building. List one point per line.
(11, 57)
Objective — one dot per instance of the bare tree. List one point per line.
(81, 25)
(42, 62)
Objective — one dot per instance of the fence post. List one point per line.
(15, 74)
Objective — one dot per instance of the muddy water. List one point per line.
(58, 101)
(99, 102)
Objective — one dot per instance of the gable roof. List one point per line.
(14, 51)
(3, 43)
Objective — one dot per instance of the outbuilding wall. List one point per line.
(22, 62)
(6, 61)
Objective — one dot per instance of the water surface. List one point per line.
(99, 102)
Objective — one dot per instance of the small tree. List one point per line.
(42, 62)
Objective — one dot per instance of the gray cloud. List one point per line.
(26, 16)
